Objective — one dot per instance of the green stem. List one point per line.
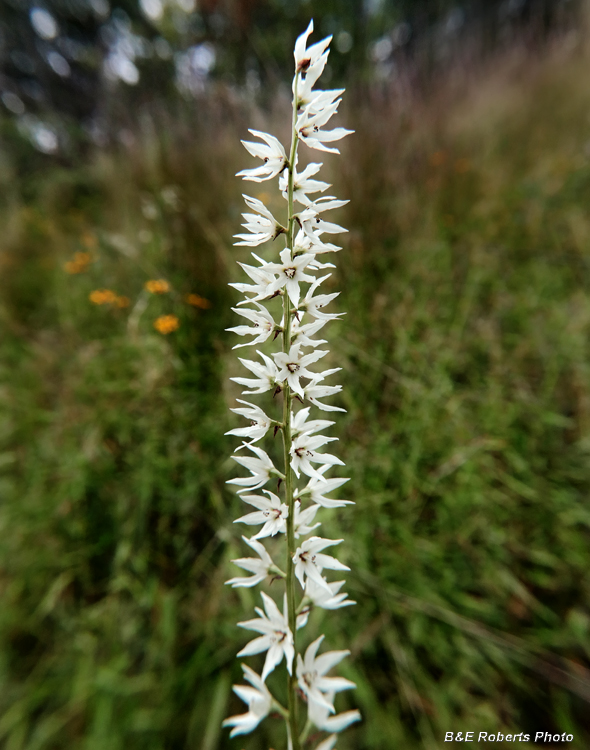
(293, 701)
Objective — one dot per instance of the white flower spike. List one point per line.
(294, 385)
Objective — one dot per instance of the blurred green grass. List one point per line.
(467, 438)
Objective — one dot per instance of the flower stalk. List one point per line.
(285, 373)
(293, 702)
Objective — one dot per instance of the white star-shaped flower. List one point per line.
(328, 596)
(303, 519)
(320, 716)
(271, 152)
(304, 452)
(267, 375)
(313, 392)
(271, 512)
(261, 469)
(314, 101)
(317, 489)
(311, 673)
(276, 638)
(314, 305)
(305, 56)
(293, 365)
(262, 280)
(290, 272)
(300, 425)
(312, 223)
(262, 225)
(301, 334)
(309, 560)
(262, 326)
(260, 423)
(259, 568)
(257, 698)
(309, 128)
(303, 184)
(313, 243)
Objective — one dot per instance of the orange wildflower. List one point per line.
(122, 302)
(438, 158)
(78, 264)
(462, 166)
(166, 324)
(102, 297)
(89, 240)
(197, 301)
(157, 286)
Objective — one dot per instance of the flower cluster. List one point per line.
(290, 376)
(164, 324)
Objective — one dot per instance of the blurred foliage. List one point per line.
(466, 366)
(80, 72)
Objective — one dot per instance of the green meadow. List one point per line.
(465, 359)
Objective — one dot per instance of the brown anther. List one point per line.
(276, 430)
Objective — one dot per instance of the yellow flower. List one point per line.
(166, 323)
(157, 286)
(102, 297)
(122, 302)
(196, 301)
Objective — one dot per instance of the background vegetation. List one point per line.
(466, 366)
